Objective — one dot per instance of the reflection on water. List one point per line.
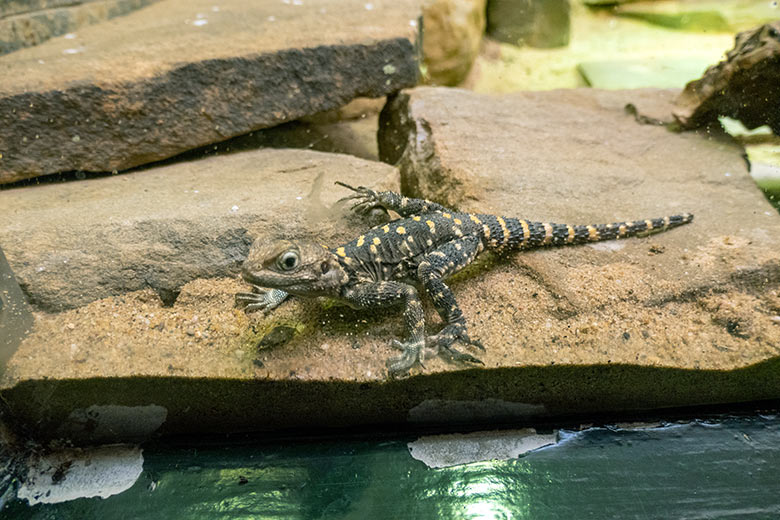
(712, 469)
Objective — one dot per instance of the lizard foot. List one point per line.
(365, 199)
(413, 353)
(260, 299)
(450, 334)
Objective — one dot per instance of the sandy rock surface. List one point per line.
(687, 317)
(181, 74)
(701, 296)
(72, 243)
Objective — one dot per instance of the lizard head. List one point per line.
(302, 268)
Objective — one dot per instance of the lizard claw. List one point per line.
(365, 199)
(412, 354)
(453, 333)
(260, 299)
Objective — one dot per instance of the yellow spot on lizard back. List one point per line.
(361, 240)
(474, 219)
(457, 221)
(386, 228)
(446, 215)
(416, 218)
(400, 230)
(376, 241)
(340, 251)
(431, 225)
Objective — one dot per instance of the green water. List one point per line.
(728, 468)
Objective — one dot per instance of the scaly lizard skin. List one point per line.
(425, 246)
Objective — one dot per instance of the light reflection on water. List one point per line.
(715, 469)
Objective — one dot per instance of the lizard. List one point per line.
(427, 244)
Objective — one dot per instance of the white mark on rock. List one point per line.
(389, 69)
(609, 245)
(369, 6)
(271, 18)
(413, 23)
(73, 50)
(102, 423)
(71, 474)
(234, 209)
(69, 36)
(441, 451)
(198, 23)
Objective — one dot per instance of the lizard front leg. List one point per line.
(372, 295)
(366, 199)
(260, 299)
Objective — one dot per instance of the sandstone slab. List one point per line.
(178, 75)
(27, 23)
(683, 318)
(75, 242)
(702, 296)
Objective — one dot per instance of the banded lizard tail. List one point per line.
(382, 267)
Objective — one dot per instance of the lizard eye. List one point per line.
(289, 261)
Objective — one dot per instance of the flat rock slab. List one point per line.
(181, 74)
(76, 242)
(682, 318)
(704, 296)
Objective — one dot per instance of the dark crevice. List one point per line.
(168, 296)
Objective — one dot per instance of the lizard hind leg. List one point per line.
(437, 265)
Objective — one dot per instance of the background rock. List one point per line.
(178, 75)
(30, 22)
(453, 34)
(700, 15)
(538, 23)
(744, 86)
(73, 243)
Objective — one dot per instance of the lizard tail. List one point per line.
(511, 233)
(599, 232)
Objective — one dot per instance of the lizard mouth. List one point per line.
(273, 282)
(253, 279)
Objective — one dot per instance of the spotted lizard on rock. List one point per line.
(426, 245)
